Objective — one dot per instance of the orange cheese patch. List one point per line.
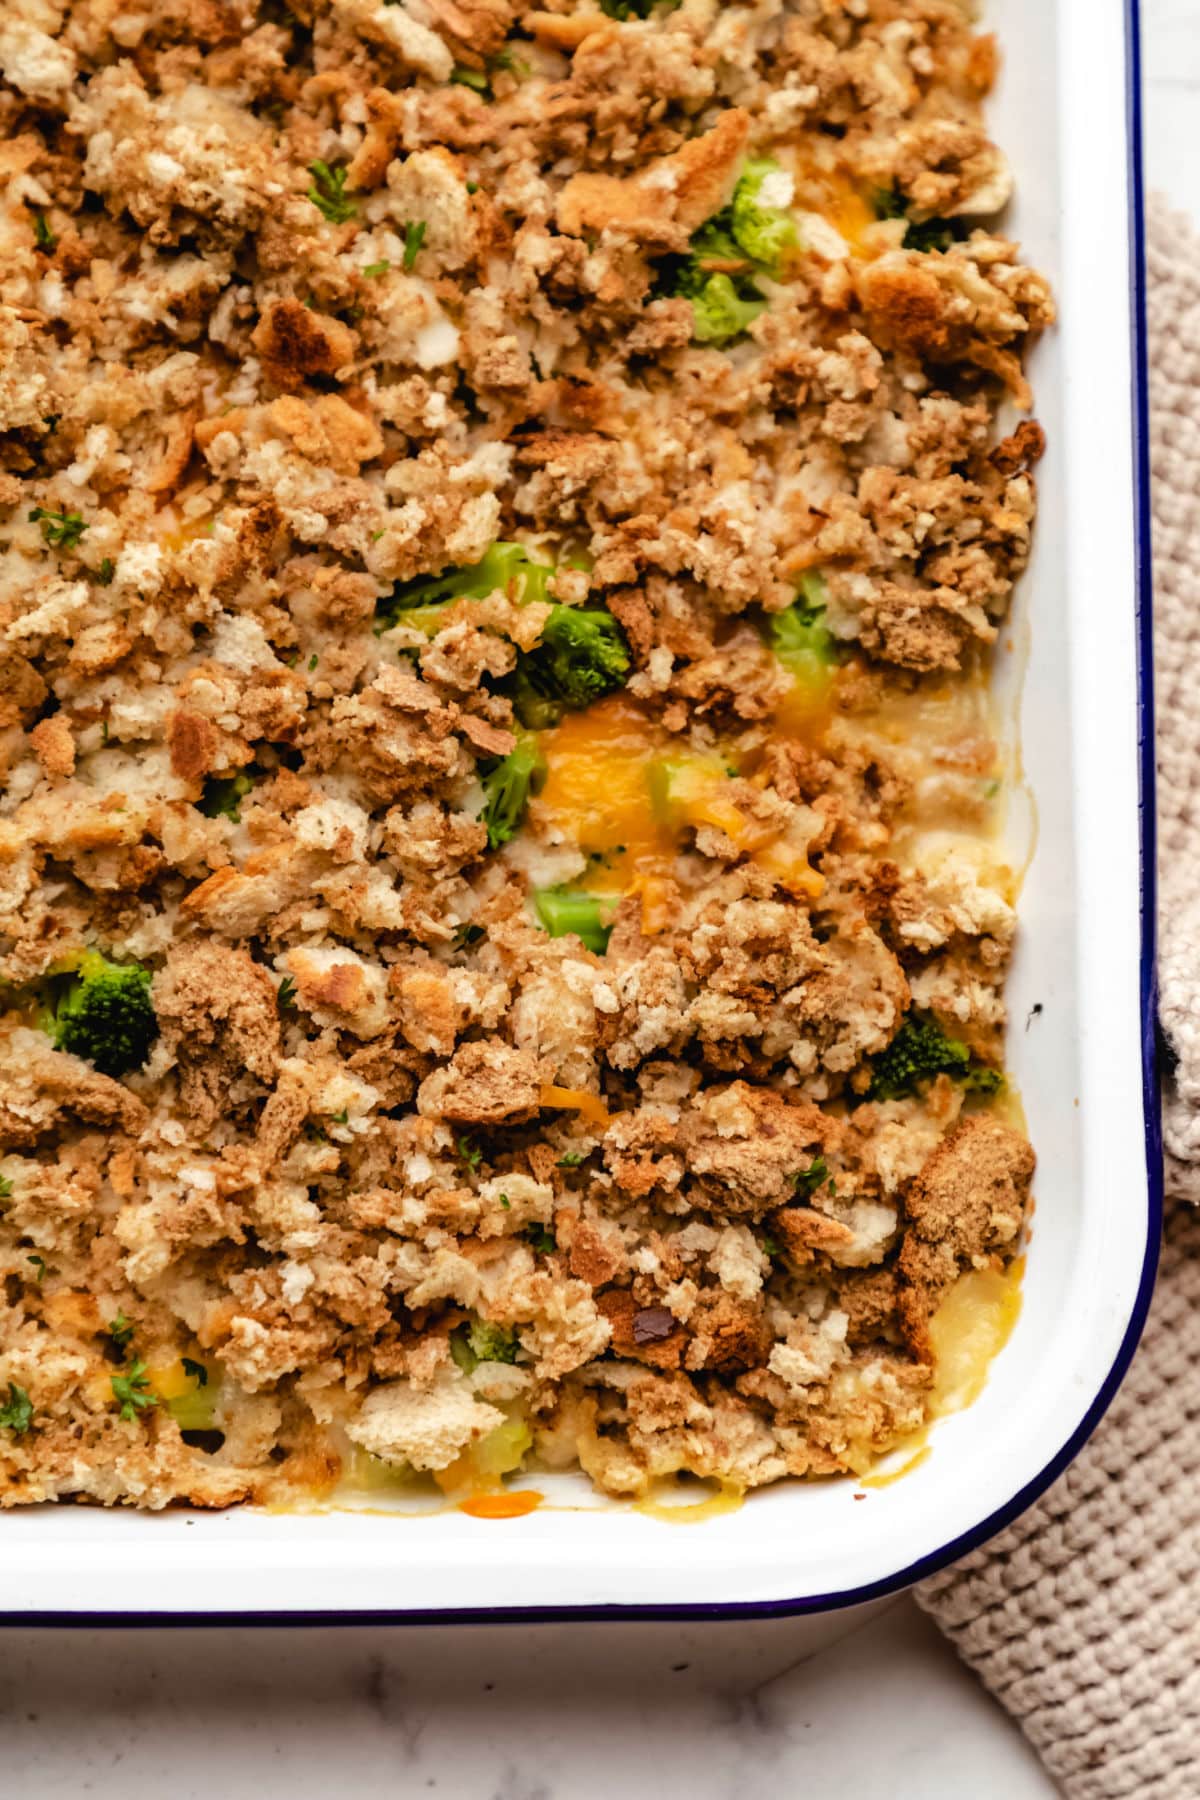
(626, 791)
(502, 1506)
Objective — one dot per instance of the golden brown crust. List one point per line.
(301, 309)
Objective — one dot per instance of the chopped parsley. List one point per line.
(816, 1174)
(6, 1187)
(414, 237)
(467, 1150)
(62, 529)
(133, 1390)
(43, 237)
(286, 997)
(769, 1245)
(106, 571)
(39, 1264)
(475, 79)
(328, 193)
(121, 1331)
(516, 65)
(379, 268)
(16, 1415)
(571, 1160)
(540, 1239)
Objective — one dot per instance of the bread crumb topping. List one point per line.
(504, 518)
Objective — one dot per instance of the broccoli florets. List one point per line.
(508, 785)
(763, 231)
(106, 1014)
(223, 795)
(746, 238)
(581, 657)
(919, 1051)
(925, 235)
(423, 602)
(723, 311)
(589, 916)
(800, 637)
(481, 1341)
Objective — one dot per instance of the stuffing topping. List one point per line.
(504, 521)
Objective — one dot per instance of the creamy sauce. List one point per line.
(721, 1497)
(968, 1331)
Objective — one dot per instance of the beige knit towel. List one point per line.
(1084, 1617)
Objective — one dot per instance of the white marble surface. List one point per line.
(552, 1713)
(873, 1705)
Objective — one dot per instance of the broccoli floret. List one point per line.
(106, 1015)
(423, 602)
(582, 656)
(745, 239)
(492, 1343)
(681, 788)
(764, 232)
(589, 916)
(925, 235)
(223, 795)
(722, 312)
(919, 1051)
(481, 1341)
(508, 785)
(800, 637)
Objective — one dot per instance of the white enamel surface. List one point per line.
(1060, 113)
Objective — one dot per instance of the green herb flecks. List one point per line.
(16, 1414)
(328, 192)
(120, 1330)
(133, 1390)
(414, 237)
(43, 237)
(63, 530)
(475, 79)
(468, 1153)
(815, 1176)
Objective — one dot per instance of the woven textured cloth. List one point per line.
(1083, 1618)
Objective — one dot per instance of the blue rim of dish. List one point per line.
(734, 1610)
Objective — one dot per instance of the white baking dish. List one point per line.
(1066, 112)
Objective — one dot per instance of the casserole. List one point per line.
(1079, 985)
